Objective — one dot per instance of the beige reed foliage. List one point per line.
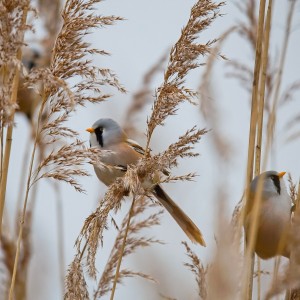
(70, 59)
(199, 271)
(183, 58)
(135, 240)
(76, 286)
(12, 31)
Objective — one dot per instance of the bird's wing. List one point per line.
(135, 146)
(139, 149)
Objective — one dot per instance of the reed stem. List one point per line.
(122, 251)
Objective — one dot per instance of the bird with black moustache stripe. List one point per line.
(106, 134)
(274, 218)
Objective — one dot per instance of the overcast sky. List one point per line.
(150, 28)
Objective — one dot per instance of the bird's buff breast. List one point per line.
(107, 174)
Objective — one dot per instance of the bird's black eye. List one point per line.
(276, 181)
(31, 64)
(99, 132)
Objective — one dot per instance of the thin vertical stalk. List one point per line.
(292, 294)
(255, 86)
(9, 133)
(261, 104)
(60, 234)
(1, 149)
(247, 290)
(262, 89)
(258, 266)
(122, 250)
(23, 178)
(11, 291)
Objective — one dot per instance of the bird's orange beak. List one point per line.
(90, 130)
(281, 174)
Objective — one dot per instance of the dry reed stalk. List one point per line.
(262, 87)
(60, 234)
(248, 283)
(272, 116)
(121, 252)
(22, 221)
(261, 105)
(23, 7)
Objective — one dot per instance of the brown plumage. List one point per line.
(108, 135)
(274, 218)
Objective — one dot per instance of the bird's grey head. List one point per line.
(273, 183)
(106, 132)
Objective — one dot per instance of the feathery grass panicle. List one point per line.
(198, 270)
(134, 241)
(66, 163)
(76, 286)
(69, 60)
(92, 230)
(61, 98)
(12, 31)
(183, 59)
(149, 166)
(94, 225)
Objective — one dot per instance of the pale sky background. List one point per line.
(150, 28)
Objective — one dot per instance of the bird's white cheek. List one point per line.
(93, 140)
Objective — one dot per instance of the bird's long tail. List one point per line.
(186, 224)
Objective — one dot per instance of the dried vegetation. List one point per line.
(64, 77)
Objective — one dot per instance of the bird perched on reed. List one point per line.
(28, 98)
(106, 134)
(274, 216)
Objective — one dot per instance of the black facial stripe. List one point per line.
(98, 132)
(31, 64)
(276, 183)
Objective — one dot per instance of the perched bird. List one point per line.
(106, 134)
(28, 98)
(274, 217)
